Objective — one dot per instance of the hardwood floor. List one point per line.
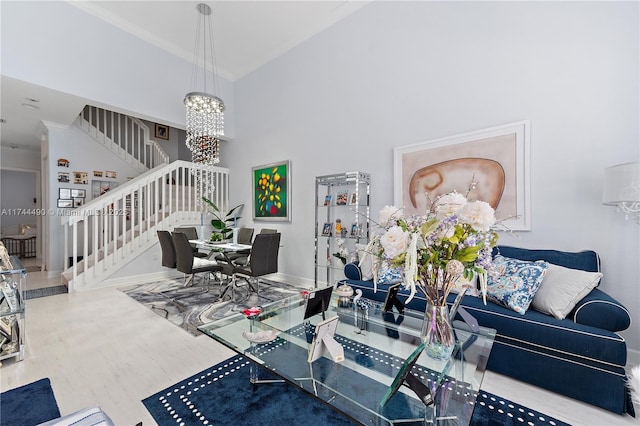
(100, 347)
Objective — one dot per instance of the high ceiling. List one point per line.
(247, 34)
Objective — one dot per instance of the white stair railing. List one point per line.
(127, 137)
(112, 229)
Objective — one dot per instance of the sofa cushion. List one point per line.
(600, 310)
(587, 260)
(516, 282)
(562, 288)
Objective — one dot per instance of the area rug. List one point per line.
(45, 291)
(28, 405)
(222, 394)
(190, 307)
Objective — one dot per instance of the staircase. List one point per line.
(125, 136)
(110, 231)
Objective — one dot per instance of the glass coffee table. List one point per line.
(375, 345)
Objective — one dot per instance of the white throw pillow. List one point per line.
(562, 288)
(364, 262)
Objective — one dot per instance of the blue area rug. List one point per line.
(28, 405)
(222, 394)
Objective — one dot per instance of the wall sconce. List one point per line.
(622, 189)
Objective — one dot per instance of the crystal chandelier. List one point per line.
(204, 112)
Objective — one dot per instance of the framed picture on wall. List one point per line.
(162, 131)
(272, 192)
(101, 187)
(65, 204)
(64, 193)
(496, 159)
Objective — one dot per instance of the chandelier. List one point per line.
(204, 112)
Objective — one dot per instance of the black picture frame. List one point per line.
(161, 132)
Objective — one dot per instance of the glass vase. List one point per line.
(438, 332)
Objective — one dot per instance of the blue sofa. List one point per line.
(581, 356)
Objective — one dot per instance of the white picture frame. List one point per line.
(505, 147)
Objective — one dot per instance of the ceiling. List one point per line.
(247, 35)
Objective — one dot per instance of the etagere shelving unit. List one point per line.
(13, 277)
(341, 220)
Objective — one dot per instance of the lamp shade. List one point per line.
(621, 184)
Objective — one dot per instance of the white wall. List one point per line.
(84, 155)
(397, 73)
(17, 195)
(70, 51)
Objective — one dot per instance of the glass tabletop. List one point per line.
(375, 345)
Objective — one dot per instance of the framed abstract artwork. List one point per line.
(272, 192)
(497, 159)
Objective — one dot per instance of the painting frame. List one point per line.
(161, 132)
(517, 168)
(271, 204)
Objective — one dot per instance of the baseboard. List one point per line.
(291, 279)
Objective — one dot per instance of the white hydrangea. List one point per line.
(449, 204)
(394, 242)
(389, 214)
(479, 214)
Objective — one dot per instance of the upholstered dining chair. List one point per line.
(263, 260)
(168, 249)
(245, 236)
(187, 263)
(192, 234)
(268, 231)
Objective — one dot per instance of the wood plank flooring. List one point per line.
(102, 348)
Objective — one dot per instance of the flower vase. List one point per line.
(438, 332)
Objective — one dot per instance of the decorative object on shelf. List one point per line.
(272, 192)
(327, 200)
(356, 230)
(342, 252)
(438, 333)
(223, 225)
(622, 189)
(326, 229)
(338, 227)
(204, 111)
(161, 132)
(342, 197)
(498, 156)
(453, 239)
(353, 201)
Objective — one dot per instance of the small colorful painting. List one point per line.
(272, 192)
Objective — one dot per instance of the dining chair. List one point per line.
(168, 249)
(245, 236)
(268, 231)
(187, 263)
(192, 234)
(263, 260)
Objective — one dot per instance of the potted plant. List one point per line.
(223, 224)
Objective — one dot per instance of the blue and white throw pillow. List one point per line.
(513, 282)
(389, 274)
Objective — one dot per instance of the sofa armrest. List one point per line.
(598, 309)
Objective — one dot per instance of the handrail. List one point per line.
(128, 137)
(107, 231)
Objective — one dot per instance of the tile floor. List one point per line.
(100, 347)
